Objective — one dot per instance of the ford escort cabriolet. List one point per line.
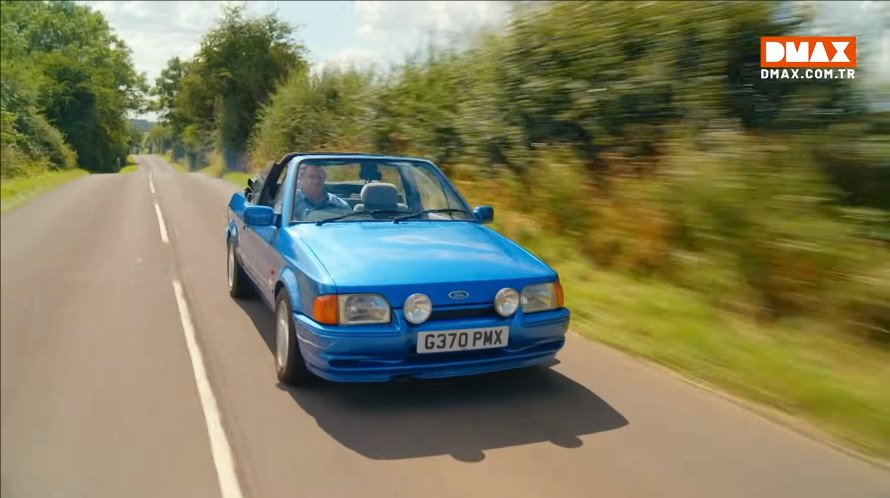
(376, 268)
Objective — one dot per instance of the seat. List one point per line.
(383, 196)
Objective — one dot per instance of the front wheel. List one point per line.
(289, 363)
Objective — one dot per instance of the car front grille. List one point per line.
(457, 313)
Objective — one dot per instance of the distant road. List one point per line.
(100, 398)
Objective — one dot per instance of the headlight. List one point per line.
(418, 308)
(541, 297)
(506, 302)
(358, 309)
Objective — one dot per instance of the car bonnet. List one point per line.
(436, 258)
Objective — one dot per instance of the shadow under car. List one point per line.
(461, 417)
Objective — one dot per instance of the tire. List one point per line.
(289, 363)
(239, 283)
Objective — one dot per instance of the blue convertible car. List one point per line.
(377, 269)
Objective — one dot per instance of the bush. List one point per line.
(328, 111)
(29, 143)
(751, 222)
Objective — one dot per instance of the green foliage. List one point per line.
(63, 60)
(29, 143)
(416, 111)
(238, 66)
(167, 87)
(767, 214)
(329, 110)
(159, 139)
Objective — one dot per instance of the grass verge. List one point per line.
(237, 178)
(15, 192)
(178, 166)
(214, 171)
(217, 170)
(802, 369)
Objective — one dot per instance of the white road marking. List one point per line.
(151, 184)
(161, 224)
(219, 445)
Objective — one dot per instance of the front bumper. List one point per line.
(381, 353)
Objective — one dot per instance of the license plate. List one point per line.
(462, 340)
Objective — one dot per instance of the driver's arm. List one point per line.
(337, 201)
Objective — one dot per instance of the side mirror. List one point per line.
(485, 214)
(260, 216)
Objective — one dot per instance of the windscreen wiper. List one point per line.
(355, 213)
(425, 211)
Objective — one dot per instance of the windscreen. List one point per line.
(374, 190)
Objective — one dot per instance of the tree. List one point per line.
(166, 88)
(83, 77)
(330, 110)
(159, 139)
(238, 66)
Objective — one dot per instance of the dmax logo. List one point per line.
(458, 294)
(808, 51)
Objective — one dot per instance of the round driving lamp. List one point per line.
(417, 308)
(506, 302)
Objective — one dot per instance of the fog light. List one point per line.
(506, 302)
(417, 308)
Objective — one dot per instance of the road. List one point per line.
(100, 397)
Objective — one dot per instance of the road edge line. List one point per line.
(219, 444)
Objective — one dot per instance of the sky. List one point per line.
(382, 33)
(333, 32)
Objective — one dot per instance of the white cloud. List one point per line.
(408, 25)
(159, 31)
(351, 57)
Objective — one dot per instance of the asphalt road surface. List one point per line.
(127, 371)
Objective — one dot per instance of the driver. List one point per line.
(311, 195)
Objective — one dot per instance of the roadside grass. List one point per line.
(130, 167)
(214, 170)
(237, 178)
(16, 192)
(802, 368)
(178, 166)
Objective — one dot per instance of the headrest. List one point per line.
(384, 194)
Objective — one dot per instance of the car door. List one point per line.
(252, 238)
(264, 239)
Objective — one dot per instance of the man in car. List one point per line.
(311, 195)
